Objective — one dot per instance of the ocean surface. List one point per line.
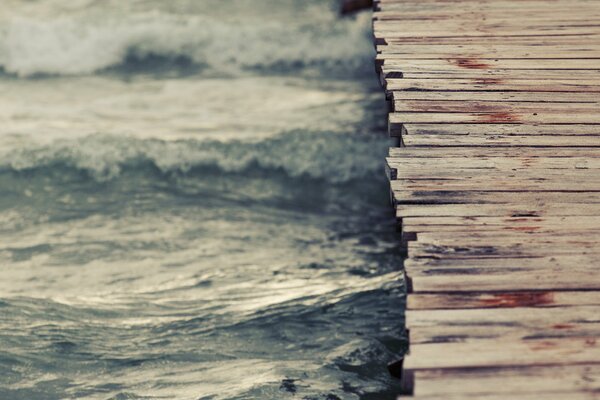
(193, 203)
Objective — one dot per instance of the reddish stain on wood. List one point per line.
(471, 63)
(563, 326)
(486, 108)
(519, 299)
(543, 345)
(498, 117)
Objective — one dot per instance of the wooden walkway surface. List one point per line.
(496, 183)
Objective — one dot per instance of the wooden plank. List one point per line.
(489, 75)
(463, 245)
(433, 165)
(538, 97)
(450, 19)
(508, 236)
(441, 265)
(516, 323)
(492, 84)
(474, 196)
(530, 184)
(494, 63)
(473, 280)
(484, 353)
(512, 317)
(449, 301)
(491, 140)
(519, 168)
(489, 250)
(520, 249)
(468, 153)
(472, 15)
(440, 51)
(535, 39)
(491, 107)
(522, 135)
(497, 192)
(494, 117)
(522, 177)
(570, 395)
(513, 382)
(506, 31)
(520, 165)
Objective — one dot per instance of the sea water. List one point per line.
(193, 203)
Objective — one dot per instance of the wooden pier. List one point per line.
(496, 183)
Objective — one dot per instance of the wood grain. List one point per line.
(496, 184)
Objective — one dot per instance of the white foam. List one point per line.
(320, 155)
(83, 44)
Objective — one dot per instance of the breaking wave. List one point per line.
(327, 156)
(85, 44)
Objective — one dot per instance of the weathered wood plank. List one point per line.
(465, 153)
(491, 140)
(484, 353)
(560, 381)
(501, 116)
(516, 323)
(532, 184)
(508, 236)
(433, 165)
(475, 196)
(441, 265)
(449, 301)
(489, 75)
(518, 317)
(485, 251)
(492, 84)
(528, 184)
(473, 280)
(497, 192)
(538, 97)
(531, 39)
(562, 395)
(424, 51)
(495, 63)
(508, 30)
(494, 107)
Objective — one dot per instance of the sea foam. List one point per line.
(84, 44)
(329, 156)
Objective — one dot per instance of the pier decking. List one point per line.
(496, 182)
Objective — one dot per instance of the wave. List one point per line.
(88, 43)
(329, 156)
